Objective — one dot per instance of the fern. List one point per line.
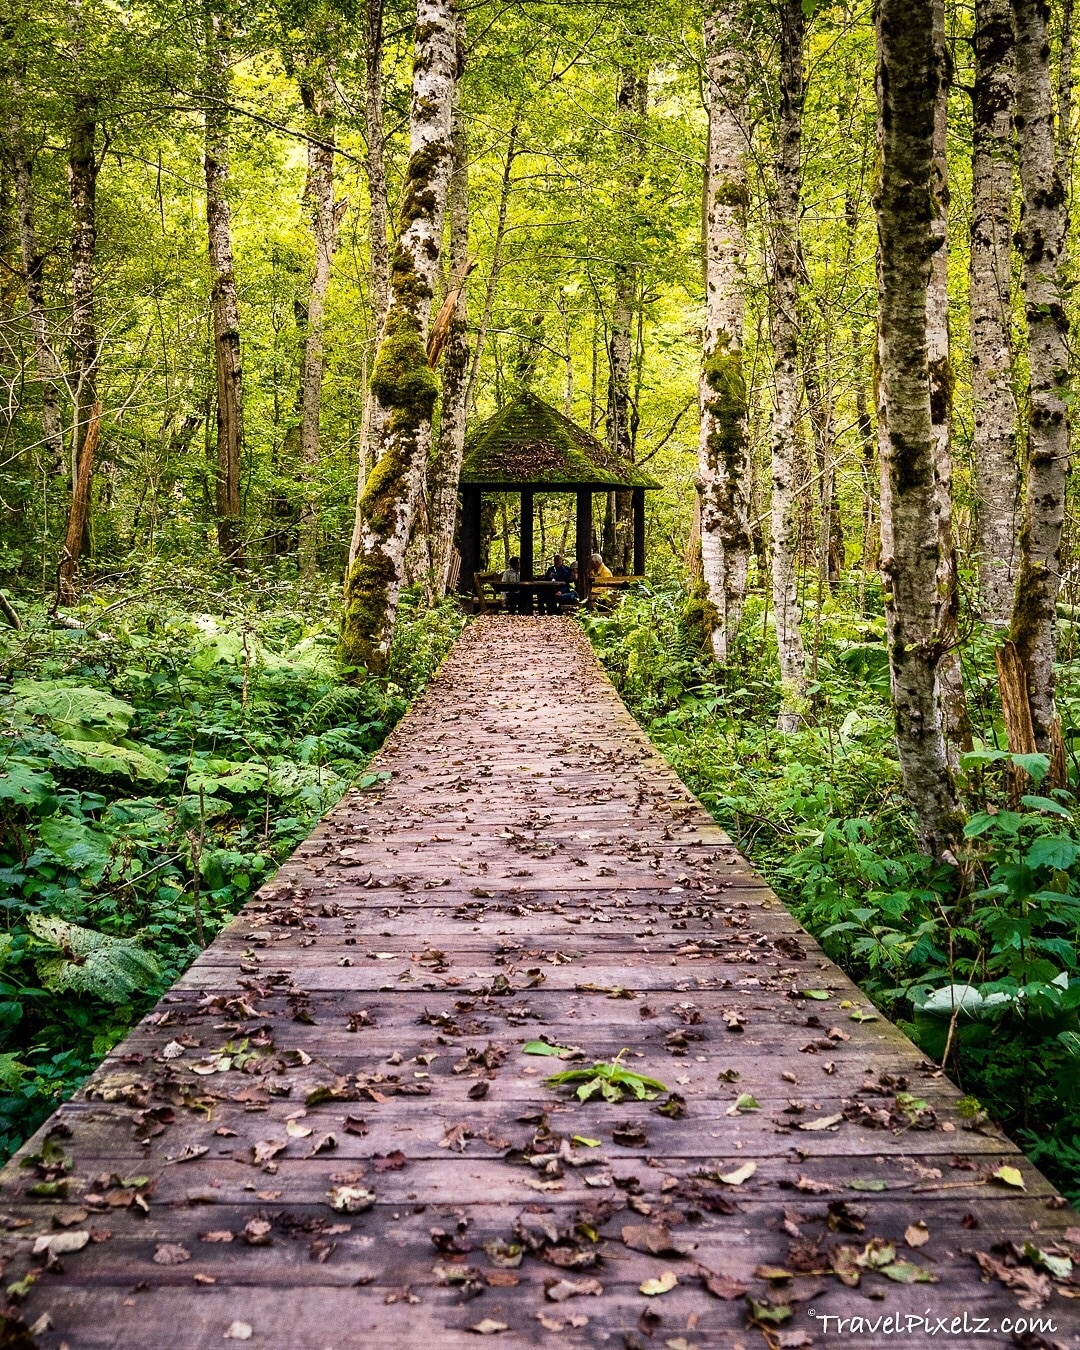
(91, 962)
(343, 704)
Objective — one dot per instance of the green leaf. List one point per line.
(74, 712)
(107, 757)
(906, 1272)
(1035, 766)
(1046, 804)
(819, 994)
(92, 963)
(543, 1048)
(83, 848)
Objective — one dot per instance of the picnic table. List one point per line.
(529, 590)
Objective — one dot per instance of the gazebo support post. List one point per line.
(583, 542)
(470, 538)
(639, 531)
(526, 534)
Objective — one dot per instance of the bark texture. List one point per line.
(33, 262)
(490, 286)
(446, 469)
(223, 299)
(82, 192)
(724, 469)
(403, 383)
(785, 269)
(917, 603)
(1042, 238)
(993, 165)
(79, 513)
(319, 99)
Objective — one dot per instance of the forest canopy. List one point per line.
(809, 267)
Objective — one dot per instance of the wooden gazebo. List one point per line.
(530, 447)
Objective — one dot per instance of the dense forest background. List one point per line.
(204, 212)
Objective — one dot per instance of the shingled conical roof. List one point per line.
(528, 443)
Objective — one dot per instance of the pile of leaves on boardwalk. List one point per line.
(980, 963)
(155, 768)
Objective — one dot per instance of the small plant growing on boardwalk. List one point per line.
(613, 1080)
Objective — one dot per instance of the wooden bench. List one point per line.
(606, 588)
(488, 600)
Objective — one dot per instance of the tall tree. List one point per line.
(319, 97)
(446, 466)
(724, 470)
(993, 165)
(785, 270)
(917, 604)
(1042, 238)
(631, 107)
(217, 32)
(47, 368)
(403, 383)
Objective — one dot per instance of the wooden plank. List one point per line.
(527, 829)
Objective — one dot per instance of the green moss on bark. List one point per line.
(363, 618)
(402, 380)
(701, 618)
(726, 405)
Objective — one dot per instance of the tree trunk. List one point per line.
(379, 275)
(1042, 239)
(724, 469)
(319, 99)
(223, 301)
(950, 679)
(785, 326)
(80, 510)
(993, 165)
(452, 410)
(820, 397)
(403, 383)
(33, 265)
(917, 605)
(82, 190)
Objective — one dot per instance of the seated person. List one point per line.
(568, 595)
(600, 568)
(511, 578)
(551, 599)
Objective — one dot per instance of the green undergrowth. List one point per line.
(979, 961)
(156, 767)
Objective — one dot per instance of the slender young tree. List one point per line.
(631, 108)
(320, 100)
(784, 319)
(993, 166)
(402, 381)
(223, 298)
(1042, 238)
(724, 469)
(917, 604)
(446, 468)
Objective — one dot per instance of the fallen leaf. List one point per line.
(741, 1174)
(351, 1199)
(722, 1286)
(663, 1284)
(744, 1102)
(238, 1331)
(558, 1291)
(170, 1254)
(218, 1235)
(655, 1239)
(1009, 1176)
(391, 1162)
(60, 1244)
(257, 1232)
(819, 994)
(822, 1122)
(489, 1327)
(295, 1130)
(266, 1149)
(917, 1234)
(905, 1272)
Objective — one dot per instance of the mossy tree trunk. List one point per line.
(319, 98)
(446, 466)
(379, 249)
(784, 321)
(223, 298)
(917, 604)
(993, 166)
(403, 383)
(1042, 238)
(724, 469)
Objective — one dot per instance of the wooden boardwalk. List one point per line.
(328, 1135)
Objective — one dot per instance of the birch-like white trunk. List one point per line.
(723, 479)
(785, 507)
(993, 166)
(1042, 238)
(917, 605)
(319, 98)
(455, 368)
(223, 297)
(404, 385)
